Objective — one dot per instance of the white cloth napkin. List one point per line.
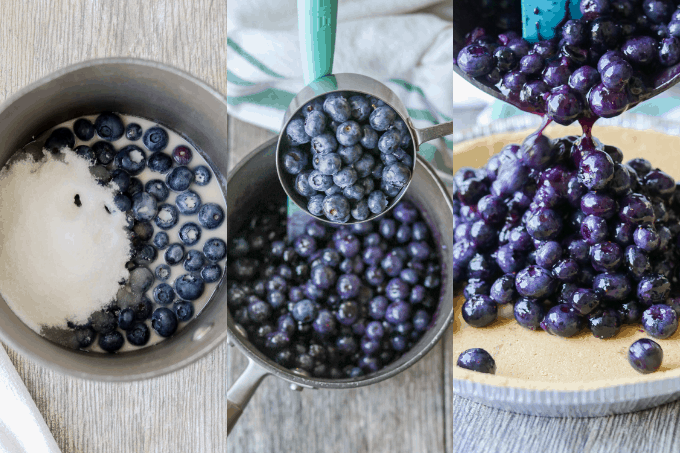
(406, 44)
(22, 428)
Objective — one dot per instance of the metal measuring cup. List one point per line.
(317, 24)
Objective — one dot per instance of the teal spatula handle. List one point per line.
(317, 22)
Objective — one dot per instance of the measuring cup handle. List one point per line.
(317, 22)
(243, 389)
(430, 133)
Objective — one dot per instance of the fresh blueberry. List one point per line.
(336, 208)
(215, 249)
(158, 189)
(338, 108)
(351, 154)
(179, 179)
(645, 355)
(210, 216)
(164, 322)
(660, 321)
(194, 261)
(188, 202)
(348, 133)
(315, 123)
(155, 139)
(161, 240)
(189, 286)
(109, 126)
(159, 162)
(163, 294)
(382, 118)
(60, 138)
(111, 341)
(360, 107)
(202, 175)
(167, 216)
(324, 144)
(211, 273)
(144, 207)
(132, 159)
(84, 129)
(138, 334)
(121, 178)
(190, 233)
(360, 210)
(104, 151)
(345, 177)
(475, 60)
(377, 202)
(370, 137)
(133, 132)
(163, 271)
(584, 301)
(304, 311)
(480, 311)
(529, 313)
(653, 289)
(174, 254)
(319, 181)
(122, 202)
(562, 320)
(183, 310)
(477, 359)
(612, 287)
(327, 164)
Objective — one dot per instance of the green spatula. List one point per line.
(540, 18)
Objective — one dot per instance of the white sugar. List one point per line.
(59, 262)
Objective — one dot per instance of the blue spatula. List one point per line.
(317, 20)
(540, 18)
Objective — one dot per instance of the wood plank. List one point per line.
(402, 414)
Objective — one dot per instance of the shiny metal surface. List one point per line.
(254, 179)
(142, 88)
(360, 84)
(616, 399)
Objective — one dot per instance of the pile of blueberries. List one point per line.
(337, 302)
(571, 236)
(349, 155)
(594, 67)
(145, 205)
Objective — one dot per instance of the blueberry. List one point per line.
(360, 210)
(133, 132)
(84, 129)
(167, 216)
(132, 159)
(336, 208)
(315, 105)
(382, 118)
(660, 321)
(370, 137)
(188, 202)
(611, 287)
(122, 202)
(562, 320)
(389, 141)
(477, 359)
(535, 282)
(616, 74)
(319, 181)
(158, 189)
(164, 322)
(544, 224)
(327, 164)
(503, 289)
(315, 123)
(111, 341)
(210, 216)
(315, 205)
(653, 289)
(607, 103)
(324, 144)
(377, 202)
(156, 139)
(363, 165)
(398, 312)
(121, 179)
(144, 207)
(138, 334)
(109, 126)
(475, 60)
(528, 313)
(179, 179)
(635, 208)
(349, 133)
(104, 151)
(190, 233)
(337, 108)
(162, 272)
(304, 311)
(669, 51)
(348, 286)
(584, 301)
(215, 249)
(189, 286)
(360, 107)
(161, 240)
(345, 177)
(163, 294)
(174, 254)
(183, 310)
(351, 154)
(194, 261)
(480, 311)
(645, 355)
(584, 78)
(202, 175)
(159, 162)
(126, 318)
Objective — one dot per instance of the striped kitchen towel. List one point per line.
(406, 44)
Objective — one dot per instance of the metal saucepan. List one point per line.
(141, 88)
(253, 181)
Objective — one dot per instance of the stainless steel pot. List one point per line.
(142, 88)
(359, 84)
(254, 180)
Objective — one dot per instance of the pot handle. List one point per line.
(242, 390)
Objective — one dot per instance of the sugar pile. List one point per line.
(59, 260)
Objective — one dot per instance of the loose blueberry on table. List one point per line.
(172, 272)
(348, 155)
(338, 301)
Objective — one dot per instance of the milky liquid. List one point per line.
(210, 193)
